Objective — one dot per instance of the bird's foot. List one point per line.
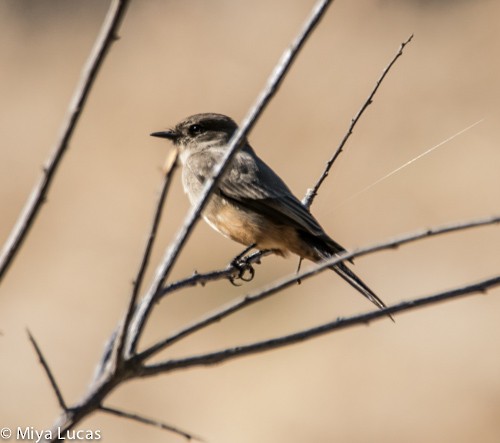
(244, 271)
(243, 268)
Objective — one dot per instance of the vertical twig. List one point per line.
(169, 168)
(312, 192)
(39, 193)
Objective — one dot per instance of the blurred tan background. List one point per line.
(433, 376)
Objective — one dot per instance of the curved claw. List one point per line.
(244, 272)
(251, 272)
(232, 279)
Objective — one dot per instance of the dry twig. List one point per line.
(313, 192)
(47, 370)
(39, 193)
(169, 169)
(149, 421)
(306, 334)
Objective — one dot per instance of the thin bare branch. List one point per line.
(236, 141)
(220, 274)
(291, 280)
(150, 421)
(169, 168)
(38, 196)
(229, 272)
(313, 192)
(47, 370)
(278, 342)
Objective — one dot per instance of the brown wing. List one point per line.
(254, 185)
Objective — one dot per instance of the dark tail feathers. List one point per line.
(325, 248)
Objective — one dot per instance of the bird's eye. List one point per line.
(196, 129)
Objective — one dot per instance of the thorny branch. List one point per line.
(306, 334)
(313, 192)
(39, 193)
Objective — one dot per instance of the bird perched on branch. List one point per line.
(251, 204)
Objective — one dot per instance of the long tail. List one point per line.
(350, 277)
(321, 247)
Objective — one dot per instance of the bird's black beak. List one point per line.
(171, 135)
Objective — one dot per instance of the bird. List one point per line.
(251, 204)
